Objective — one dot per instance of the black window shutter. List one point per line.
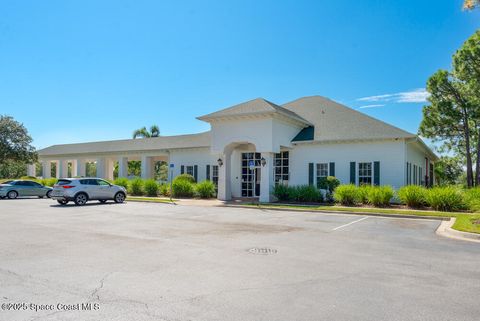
(195, 172)
(310, 173)
(376, 173)
(352, 173)
(182, 169)
(208, 172)
(332, 169)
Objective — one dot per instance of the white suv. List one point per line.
(81, 190)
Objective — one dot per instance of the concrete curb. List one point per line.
(445, 230)
(340, 212)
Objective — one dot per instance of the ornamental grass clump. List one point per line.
(282, 192)
(151, 187)
(346, 195)
(205, 189)
(363, 191)
(413, 195)
(308, 194)
(447, 199)
(472, 199)
(380, 196)
(164, 189)
(136, 186)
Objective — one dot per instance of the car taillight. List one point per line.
(68, 186)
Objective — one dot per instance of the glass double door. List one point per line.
(251, 174)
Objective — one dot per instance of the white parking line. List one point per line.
(344, 225)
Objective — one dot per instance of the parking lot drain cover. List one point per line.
(262, 251)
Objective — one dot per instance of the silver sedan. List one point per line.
(14, 189)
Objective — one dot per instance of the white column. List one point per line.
(123, 167)
(266, 182)
(146, 167)
(31, 170)
(80, 168)
(109, 169)
(62, 168)
(57, 169)
(74, 168)
(100, 164)
(46, 169)
(224, 175)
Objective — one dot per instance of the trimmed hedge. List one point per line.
(183, 188)
(300, 193)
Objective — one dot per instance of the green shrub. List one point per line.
(282, 192)
(136, 186)
(472, 199)
(48, 181)
(346, 194)
(28, 177)
(413, 195)
(308, 193)
(380, 196)
(185, 177)
(150, 187)
(328, 183)
(363, 191)
(205, 189)
(121, 181)
(164, 189)
(446, 199)
(183, 188)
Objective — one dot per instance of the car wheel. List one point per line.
(119, 197)
(2, 197)
(62, 202)
(12, 195)
(102, 201)
(40, 197)
(81, 199)
(49, 194)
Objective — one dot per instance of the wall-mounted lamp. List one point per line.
(263, 162)
(220, 162)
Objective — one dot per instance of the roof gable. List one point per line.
(333, 121)
(256, 106)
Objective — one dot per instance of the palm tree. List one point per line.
(470, 4)
(144, 133)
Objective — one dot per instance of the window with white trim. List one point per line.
(365, 174)
(281, 165)
(215, 176)
(189, 170)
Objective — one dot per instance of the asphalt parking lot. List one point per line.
(142, 261)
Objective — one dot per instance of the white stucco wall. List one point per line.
(415, 156)
(190, 157)
(390, 154)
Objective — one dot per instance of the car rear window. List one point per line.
(63, 182)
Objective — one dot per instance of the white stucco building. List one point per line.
(254, 145)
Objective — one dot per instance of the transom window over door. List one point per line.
(364, 173)
(281, 162)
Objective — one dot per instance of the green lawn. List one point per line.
(467, 223)
(391, 211)
(149, 199)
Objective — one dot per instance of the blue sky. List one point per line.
(75, 71)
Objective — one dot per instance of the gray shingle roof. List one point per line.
(333, 121)
(127, 145)
(252, 107)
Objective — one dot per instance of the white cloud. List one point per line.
(371, 106)
(418, 95)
